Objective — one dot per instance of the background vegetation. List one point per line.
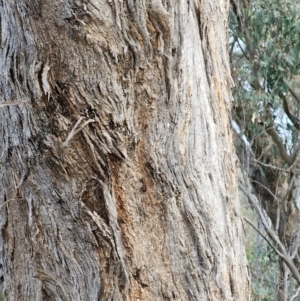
(264, 54)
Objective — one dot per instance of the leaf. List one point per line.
(290, 60)
(276, 13)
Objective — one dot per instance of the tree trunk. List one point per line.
(118, 170)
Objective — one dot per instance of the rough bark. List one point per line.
(118, 171)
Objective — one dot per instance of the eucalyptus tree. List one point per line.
(117, 177)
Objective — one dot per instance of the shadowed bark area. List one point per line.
(119, 168)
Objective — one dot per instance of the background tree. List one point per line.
(264, 53)
(118, 177)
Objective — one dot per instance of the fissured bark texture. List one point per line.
(118, 170)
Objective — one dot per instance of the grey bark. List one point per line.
(118, 170)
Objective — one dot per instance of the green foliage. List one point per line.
(264, 50)
(262, 260)
(271, 43)
(263, 265)
(264, 47)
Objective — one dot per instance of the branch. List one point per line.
(294, 94)
(267, 189)
(296, 294)
(281, 251)
(243, 28)
(274, 167)
(296, 148)
(293, 119)
(278, 141)
(271, 130)
(243, 51)
(263, 236)
(232, 47)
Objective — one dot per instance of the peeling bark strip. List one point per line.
(144, 204)
(11, 103)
